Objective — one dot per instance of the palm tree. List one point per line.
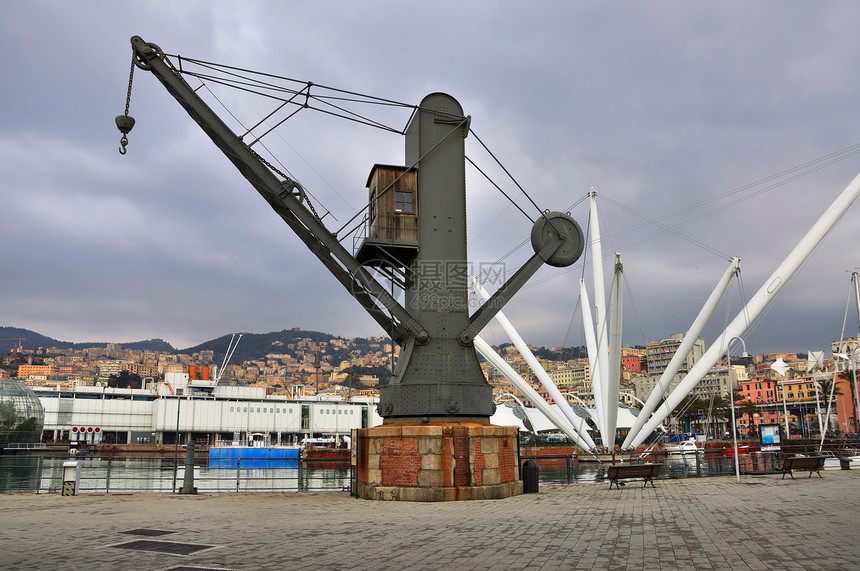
(720, 410)
(690, 408)
(750, 408)
(825, 385)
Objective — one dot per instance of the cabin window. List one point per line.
(372, 209)
(403, 201)
(231, 409)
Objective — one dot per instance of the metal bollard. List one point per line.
(531, 473)
(188, 481)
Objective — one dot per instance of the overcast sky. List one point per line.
(662, 107)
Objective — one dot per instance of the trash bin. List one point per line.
(530, 477)
(71, 478)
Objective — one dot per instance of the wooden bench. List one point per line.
(810, 463)
(628, 471)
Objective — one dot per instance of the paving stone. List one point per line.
(709, 523)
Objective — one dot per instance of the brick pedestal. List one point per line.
(437, 462)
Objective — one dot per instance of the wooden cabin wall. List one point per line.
(388, 224)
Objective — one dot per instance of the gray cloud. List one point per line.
(658, 106)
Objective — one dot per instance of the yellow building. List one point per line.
(24, 371)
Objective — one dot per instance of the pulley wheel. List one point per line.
(551, 224)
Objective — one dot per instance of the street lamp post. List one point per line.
(526, 422)
(853, 357)
(732, 397)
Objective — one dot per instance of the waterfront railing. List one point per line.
(578, 468)
(44, 474)
(115, 474)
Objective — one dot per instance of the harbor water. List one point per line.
(44, 473)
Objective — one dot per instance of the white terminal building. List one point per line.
(180, 409)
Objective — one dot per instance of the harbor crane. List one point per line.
(438, 375)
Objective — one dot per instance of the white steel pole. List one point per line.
(600, 309)
(593, 362)
(614, 380)
(818, 405)
(856, 396)
(684, 349)
(537, 368)
(532, 395)
(785, 410)
(732, 398)
(856, 279)
(759, 301)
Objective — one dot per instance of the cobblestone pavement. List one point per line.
(711, 523)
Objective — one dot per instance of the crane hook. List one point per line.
(124, 123)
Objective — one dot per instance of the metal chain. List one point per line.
(278, 171)
(124, 122)
(130, 79)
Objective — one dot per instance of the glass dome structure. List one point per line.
(22, 416)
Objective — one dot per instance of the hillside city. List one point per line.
(306, 363)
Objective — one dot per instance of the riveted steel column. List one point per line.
(440, 379)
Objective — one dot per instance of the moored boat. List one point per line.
(689, 446)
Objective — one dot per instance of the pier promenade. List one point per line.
(763, 523)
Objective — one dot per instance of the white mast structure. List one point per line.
(231, 348)
(593, 363)
(577, 422)
(532, 395)
(683, 350)
(614, 372)
(855, 278)
(602, 329)
(757, 303)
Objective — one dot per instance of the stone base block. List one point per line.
(437, 462)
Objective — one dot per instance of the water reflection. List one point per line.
(136, 474)
(44, 474)
(573, 470)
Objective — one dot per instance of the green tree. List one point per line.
(8, 415)
(125, 380)
(722, 407)
(750, 408)
(690, 409)
(718, 412)
(825, 385)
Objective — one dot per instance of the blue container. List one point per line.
(254, 457)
